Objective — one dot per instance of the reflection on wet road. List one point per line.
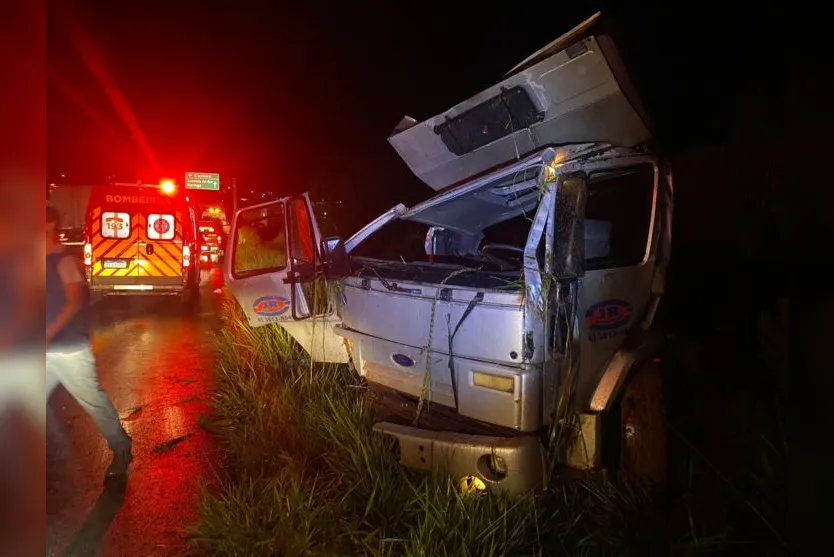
(155, 361)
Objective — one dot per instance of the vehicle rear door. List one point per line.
(114, 241)
(161, 245)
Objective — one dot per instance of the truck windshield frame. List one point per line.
(627, 200)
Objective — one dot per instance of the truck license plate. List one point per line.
(115, 264)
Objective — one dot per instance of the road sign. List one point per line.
(202, 181)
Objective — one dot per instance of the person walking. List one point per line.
(69, 355)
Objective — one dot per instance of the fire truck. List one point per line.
(142, 239)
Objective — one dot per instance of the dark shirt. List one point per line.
(77, 331)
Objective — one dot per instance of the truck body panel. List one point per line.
(71, 203)
(576, 91)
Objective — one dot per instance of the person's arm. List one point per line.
(73, 282)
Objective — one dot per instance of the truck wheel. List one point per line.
(642, 425)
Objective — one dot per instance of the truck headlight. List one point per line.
(493, 382)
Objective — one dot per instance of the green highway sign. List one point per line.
(202, 181)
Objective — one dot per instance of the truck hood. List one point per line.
(574, 90)
(485, 200)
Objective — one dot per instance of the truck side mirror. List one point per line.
(335, 258)
(569, 253)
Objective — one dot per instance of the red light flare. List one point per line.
(88, 52)
(168, 187)
(78, 99)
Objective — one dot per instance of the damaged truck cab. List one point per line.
(522, 342)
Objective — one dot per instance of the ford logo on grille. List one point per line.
(402, 360)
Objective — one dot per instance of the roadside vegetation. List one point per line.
(306, 475)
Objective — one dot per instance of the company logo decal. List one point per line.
(270, 306)
(608, 319)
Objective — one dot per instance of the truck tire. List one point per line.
(642, 428)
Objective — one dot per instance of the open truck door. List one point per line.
(277, 269)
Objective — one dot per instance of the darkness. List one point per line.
(302, 98)
(298, 98)
(292, 99)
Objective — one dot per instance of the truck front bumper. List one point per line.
(512, 465)
(137, 286)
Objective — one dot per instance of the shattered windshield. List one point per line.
(399, 251)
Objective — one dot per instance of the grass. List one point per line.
(253, 253)
(308, 476)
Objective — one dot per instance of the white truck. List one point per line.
(522, 343)
(71, 203)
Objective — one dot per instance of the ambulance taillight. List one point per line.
(186, 257)
(88, 254)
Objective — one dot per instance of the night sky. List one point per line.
(304, 98)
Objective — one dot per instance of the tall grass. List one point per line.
(308, 476)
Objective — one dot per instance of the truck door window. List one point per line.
(618, 216)
(115, 225)
(260, 244)
(160, 226)
(302, 233)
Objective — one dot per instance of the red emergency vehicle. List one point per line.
(142, 239)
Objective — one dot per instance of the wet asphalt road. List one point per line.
(155, 361)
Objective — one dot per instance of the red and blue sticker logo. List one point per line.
(607, 319)
(270, 306)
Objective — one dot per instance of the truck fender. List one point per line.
(643, 345)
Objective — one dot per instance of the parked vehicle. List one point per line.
(142, 239)
(71, 203)
(213, 242)
(496, 360)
